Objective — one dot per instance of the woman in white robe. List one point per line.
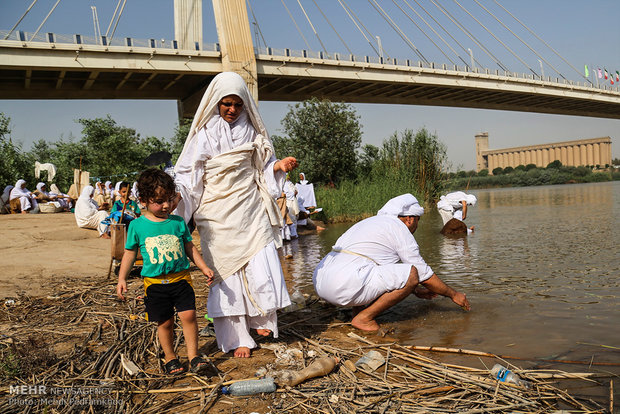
(26, 198)
(228, 178)
(4, 200)
(87, 213)
(305, 190)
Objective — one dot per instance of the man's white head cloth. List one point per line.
(403, 205)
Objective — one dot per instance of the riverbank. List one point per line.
(64, 327)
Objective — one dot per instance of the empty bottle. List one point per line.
(321, 366)
(250, 387)
(503, 374)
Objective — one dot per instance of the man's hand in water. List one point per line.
(461, 300)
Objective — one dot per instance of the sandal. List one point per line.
(174, 367)
(198, 365)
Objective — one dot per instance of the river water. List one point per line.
(541, 272)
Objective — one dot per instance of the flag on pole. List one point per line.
(600, 73)
(617, 76)
(606, 74)
(587, 72)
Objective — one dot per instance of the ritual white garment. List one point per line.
(293, 207)
(348, 279)
(253, 286)
(305, 190)
(87, 215)
(50, 168)
(449, 204)
(26, 199)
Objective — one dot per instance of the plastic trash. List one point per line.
(320, 367)
(298, 301)
(370, 361)
(503, 374)
(250, 387)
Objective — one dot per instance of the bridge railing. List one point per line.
(79, 39)
(430, 65)
(128, 42)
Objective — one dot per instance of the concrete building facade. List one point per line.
(594, 151)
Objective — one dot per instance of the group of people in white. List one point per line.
(228, 181)
(18, 199)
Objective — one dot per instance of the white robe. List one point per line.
(26, 198)
(449, 205)
(305, 190)
(87, 215)
(345, 279)
(250, 295)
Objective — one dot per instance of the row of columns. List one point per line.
(569, 155)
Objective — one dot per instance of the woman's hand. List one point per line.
(285, 165)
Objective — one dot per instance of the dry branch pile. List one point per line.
(92, 343)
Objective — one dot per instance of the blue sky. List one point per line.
(582, 32)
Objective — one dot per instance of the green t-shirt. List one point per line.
(162, 244)
(132, 207)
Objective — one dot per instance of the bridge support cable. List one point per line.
(118, 18)
(545, 43)
(424, 33)
(313, 29)
(355, 19)
(397, 29)
(296, 26)
(447, 32)
(20, 19)
(257, 26)
(107, 32)
(44, 20)
(522, 41)
(333, 28)
(471, 36)
(496, 38)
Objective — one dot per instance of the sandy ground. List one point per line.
(37, 248)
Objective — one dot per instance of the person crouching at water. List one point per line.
(363, 269)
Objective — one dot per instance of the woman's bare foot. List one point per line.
(105, 236)
(242, 352)
(263, 332)
(364, 324)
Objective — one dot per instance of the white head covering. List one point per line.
(40, 187)
(303, 180)
(222, 85)
(403, 205)
(107, 187)
(17, 191)
(452, 201)
(134, 190)
(55, 189)
(7, 192)
(87, 192)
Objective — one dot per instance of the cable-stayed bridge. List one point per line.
(35, 65)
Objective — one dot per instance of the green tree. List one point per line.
(179, 138)
(483, 172)
(15, 164)
(498, 171)
(530, 167)
(554, 164)
(367, 158)
(324, 137)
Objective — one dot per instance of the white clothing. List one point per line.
(87, 215)
(346, 279)
(293, 208)
(50, 168)
(449, 204)
(205, 171)
(26, 198)
(403, 205)
(6, 193)
(305, 190)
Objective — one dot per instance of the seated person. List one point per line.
(88, 214)
(126, 204)
(4, 200)
(22, 200)
(65, 201)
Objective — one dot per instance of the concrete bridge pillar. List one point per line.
(188, 23)
(235, 37)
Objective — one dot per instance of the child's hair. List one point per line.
(153, 179)
(124, 184)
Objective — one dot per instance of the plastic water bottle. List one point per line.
(250, 387)
(503, 374)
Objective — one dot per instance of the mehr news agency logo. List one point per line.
(49, 395)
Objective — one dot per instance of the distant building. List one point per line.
(594, 151)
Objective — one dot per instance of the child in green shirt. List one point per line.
(166, 246)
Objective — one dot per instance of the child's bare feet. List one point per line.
(263, 332)
(242, 352)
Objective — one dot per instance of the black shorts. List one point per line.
(162, 299)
